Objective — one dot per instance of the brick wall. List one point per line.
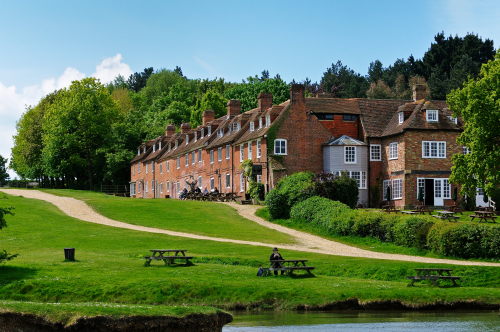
(339, 127)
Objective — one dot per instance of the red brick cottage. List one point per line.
(408, 145)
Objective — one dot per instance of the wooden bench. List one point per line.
(425, 274)
(483, 216)
(389, 209)
(284, 265)
(169, 257)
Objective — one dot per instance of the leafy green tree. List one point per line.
(379, 90)
(352, 84)
(478, 103)
(375, 71)
(77, 128)
(137, 81)
(4, 256)
(248, 90)
(160, 83)
(4, 176)
(210, 101)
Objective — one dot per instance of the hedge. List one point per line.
(422, 232)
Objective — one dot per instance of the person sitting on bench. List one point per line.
(275, 256)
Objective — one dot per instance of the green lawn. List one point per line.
(110, 269)
(202, 218)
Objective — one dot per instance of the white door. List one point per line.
(438, 192)
(480, 197)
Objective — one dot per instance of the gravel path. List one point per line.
(305, 242)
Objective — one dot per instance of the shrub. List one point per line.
(291, 190)
(337, 188)
(412, 231)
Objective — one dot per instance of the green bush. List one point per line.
(291, 190)
(337, 188)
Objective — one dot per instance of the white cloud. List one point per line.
(110, 68)
(13, 102)
(205, 65)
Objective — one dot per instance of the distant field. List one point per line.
(110, 267)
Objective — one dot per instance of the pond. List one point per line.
(353, 321)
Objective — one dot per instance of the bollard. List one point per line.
(69, 254)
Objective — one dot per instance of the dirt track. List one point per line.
(306, 242)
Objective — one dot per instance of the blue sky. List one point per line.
(45, 45)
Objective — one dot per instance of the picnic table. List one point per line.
(425, 274)
(483, 215)
(288, 266)
(170, 257)
(422, 209)
(486, 208)
(446, 215)
(389, 209)
(457, 208)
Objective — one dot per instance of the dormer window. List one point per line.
(187, 139)
(453, 119)
(431, 116)
(209, 130)
(401, 117)
(138, 151)
(252, 126)
(159, 146)
(169, 145)
(238, 126)
(235, 126)
(195, 136)
(154, 148)
(260, 123)
(176, 144)
(144, 149)
(202, 132)
(268, 120)
(230, 129)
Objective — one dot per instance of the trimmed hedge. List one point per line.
(288, 192)
(422, 232)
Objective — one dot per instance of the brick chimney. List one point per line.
(185, 128)
(233, 108)
(170, 130)
(265, 101)
(297, 93)
(419, 91)
(208, 116)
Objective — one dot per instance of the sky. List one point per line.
(45, 45)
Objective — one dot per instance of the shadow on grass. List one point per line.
(174, 265)
(301, 276)
(9, 274)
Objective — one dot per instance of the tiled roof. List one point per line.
(149, 149)
(333, 105)
(158, 152)
(376, 113)
(344, 140)
(227, 138)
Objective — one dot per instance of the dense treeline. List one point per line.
(86, 135)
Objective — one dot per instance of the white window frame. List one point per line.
(211, 156)
(242, 182)
(397, 189)
(219, 154)
(252, 126)
(178, 162)
(152, 166)
(154, 148)
(401, 117)
(161, 168)
(139, 167)
(432, 115)
(242, 151)
(169, 146)
(187, 159)
(350, 151)
(453, 119)
(146, 186)
(139, 188)
(209, 130)
(393, 150)
(385, 184)
(168, 186)
(373, 152)
(283, 143)
(176, 144)
(187, 139)
(259, 178)
(159, 146)
(133, 169)
(193, 156)
(228, 150)
(144, 149)
(440, 149)
(260, 123)
(212, 184)
(146, 167)
(202, 132)
(228, 180)
(268, 120)
(199, 155)
(465, 150)
(139, 151)
(161, 188)
(238, 126)
(168, 166)
(249, 150)
(259, 149)
(200, 182)
(446, 189)
(195, 136)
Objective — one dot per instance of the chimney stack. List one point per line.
(233, 108)
(185, 128)
(419, 91)
(297, 93)
(170, 130)
(208, 116)
(265, 101)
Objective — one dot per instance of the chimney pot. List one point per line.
(297, 93)
(208, 116)
(170, 130)
(265, 101)
(233, 108)
(419, 91)
(185, 128)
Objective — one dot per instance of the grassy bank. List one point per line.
(110, 269)
(67, 313)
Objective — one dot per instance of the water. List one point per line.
(354, 321)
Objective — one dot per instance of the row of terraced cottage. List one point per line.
(398, 143)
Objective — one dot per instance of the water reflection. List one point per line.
(351, 321)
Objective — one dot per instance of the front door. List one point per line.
(480, 198)
(438, 192)
(429, 192)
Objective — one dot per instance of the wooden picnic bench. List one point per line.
(425, 274)
(446, 215)
(457, 208)
(422, 209)
(389, 209)
(170, 257)
(288, 266)
(483, 215)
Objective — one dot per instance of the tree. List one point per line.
(379, 90)
(4, 256)
(478, 103)
(77, 129)
(352, 84)
(4, 176)
(210, 101)
(375, 71)
(248, 90)
(159, 84)
(137, 81)
(178, 71)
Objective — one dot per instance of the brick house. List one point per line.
(401, 143)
